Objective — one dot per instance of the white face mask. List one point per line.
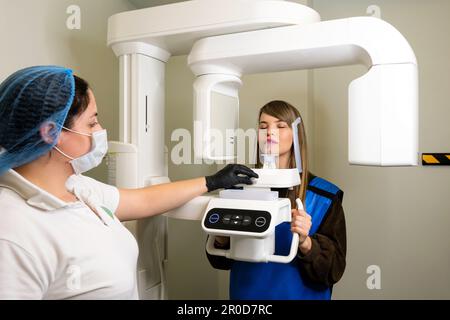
(94, 157)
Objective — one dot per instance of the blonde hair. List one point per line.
(288, 113)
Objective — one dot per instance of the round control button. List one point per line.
(260, 222)
(214, 218)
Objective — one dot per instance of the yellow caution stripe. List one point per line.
(436, 159)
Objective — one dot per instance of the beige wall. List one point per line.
(397, 218)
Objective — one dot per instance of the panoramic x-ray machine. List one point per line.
(227, 39)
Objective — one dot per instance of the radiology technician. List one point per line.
(61, 235)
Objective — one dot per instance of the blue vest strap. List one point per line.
(319, 197)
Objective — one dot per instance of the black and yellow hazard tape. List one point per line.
(436, 159)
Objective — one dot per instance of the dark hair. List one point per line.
(80, 102)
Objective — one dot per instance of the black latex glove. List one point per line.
(230, 176)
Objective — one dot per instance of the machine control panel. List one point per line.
(238, 220)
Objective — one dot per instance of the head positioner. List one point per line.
(29, 98)
(297, 151)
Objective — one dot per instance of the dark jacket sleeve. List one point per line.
(218, 262)
(325, 263)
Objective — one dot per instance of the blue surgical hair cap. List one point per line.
(30, 98)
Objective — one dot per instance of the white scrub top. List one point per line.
(50, 249)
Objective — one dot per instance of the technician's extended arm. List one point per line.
(155, 200)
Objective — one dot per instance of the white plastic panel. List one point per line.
(122, 163)
(261, 195)
(224, 119)
(216, 116)
(361, 40)
(193, 210)
(275, 178)
(142, 116)
(383, 117)
(138, 160)
(148, 115)
(175, 27)
(383, 104)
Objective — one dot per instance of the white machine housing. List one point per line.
(383, 104)
(261, 208)
(246, 245)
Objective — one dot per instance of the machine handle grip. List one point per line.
(299, 204)
(294, 244)
(212, 250)
(292, 254)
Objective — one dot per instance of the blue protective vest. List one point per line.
(277, 281)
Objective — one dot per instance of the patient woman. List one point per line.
(320, 261)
